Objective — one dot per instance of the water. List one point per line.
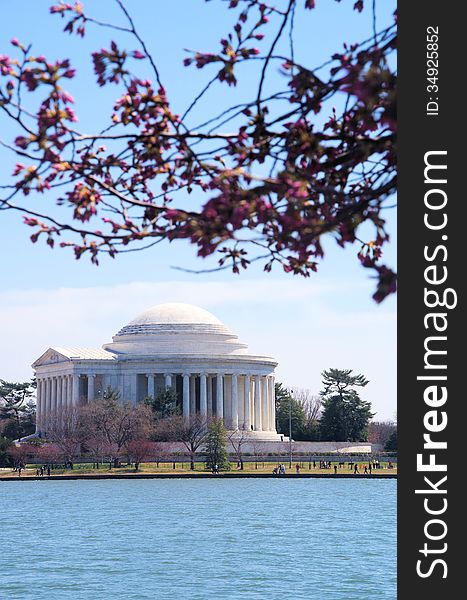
(186, 539)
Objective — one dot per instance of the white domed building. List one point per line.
(169, 345)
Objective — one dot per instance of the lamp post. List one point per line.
(290, 431)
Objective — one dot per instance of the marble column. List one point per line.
(168, 381)
(38, 405)
(69, 393)
(273, 404)
(209, 383)
(246, 403)
(64, 392)
(268, 396)
(186, 395)
(257, 403)
(75, 392)
(192, 394)
(265, 403)
(47, 402)
(234, 402)
(43, 415)
(58, 395)
(54, 394)
(51, 395)
(203, 396)
(44, 403)
(151, 389)
(241, 403)
(270, 403)
(91, 387)
(220, 396)
(134, 388)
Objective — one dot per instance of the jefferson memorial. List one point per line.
(177, 346)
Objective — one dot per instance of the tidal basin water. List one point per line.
(192, 539)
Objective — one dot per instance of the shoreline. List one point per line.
(226, 475)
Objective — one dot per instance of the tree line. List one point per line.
(17, 414)
(336, 414)
(109, 429)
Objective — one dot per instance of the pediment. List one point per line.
(50, 356)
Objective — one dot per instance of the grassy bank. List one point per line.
(183, 468)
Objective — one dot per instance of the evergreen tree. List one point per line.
(391, 444)
(17, 408)
(286, 403)
(5, 459)
(216, 446)
(345, 415)
(164, 405)
(111, 394)
(288, 406)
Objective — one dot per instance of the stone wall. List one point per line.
(306, 448)
(298, 448)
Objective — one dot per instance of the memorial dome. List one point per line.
(168, 346)
(175, 313)
(174, 316)
(176, 328)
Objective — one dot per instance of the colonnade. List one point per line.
(244, 401)
(55, 394)
(247, 401)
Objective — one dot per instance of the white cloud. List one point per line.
(296, 323)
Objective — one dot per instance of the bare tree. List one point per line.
(111, 453)
(238, 439)
(380, 431)
(190, 431)
(20, 453)
(139, 451)
(63, 429)
(310, 402)
(116, 423)
(131, 423)
(48, 454)
(159, 452)
(258, 451)
(96, 448)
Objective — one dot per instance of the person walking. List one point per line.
(335, 469)
(355, 471)
(297, 469)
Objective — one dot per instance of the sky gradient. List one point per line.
(47, 298)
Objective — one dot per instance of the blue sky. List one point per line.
(48, 298)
